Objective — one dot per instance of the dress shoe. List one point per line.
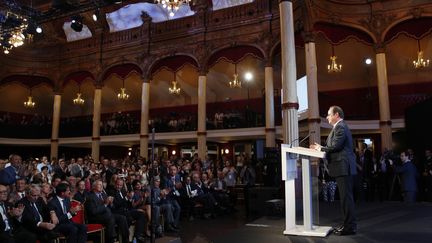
(175, 226)
(337, 228)
(345, 231)
(171, 229)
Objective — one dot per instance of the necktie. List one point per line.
(64, 207)
(121, 195)
(100, 196)
(36, 212)
(188, 190)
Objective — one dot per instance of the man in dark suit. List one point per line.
(342, 166)
(61, 205)
(409, 175)
(99, 212)
(122, 205)
(11, 230)
(36, 217)
(9, 175)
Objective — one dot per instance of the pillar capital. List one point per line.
(308, 36)
(379, 48)
(203, 71)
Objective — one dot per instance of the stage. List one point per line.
(377, 222)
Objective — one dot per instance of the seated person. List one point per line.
(122, 205)
(98, 211)
(36, 217)
(61, 206)
(162, 206)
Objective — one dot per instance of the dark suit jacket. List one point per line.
(29, 220)
(409, 176)
(339, 151)
(120, 205)
(95, 207)
(8, 176)
(55, 205)
(200, 189)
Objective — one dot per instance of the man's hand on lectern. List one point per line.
(315, 146)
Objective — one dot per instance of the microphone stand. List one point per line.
(152, 220)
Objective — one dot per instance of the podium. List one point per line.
(289, 158)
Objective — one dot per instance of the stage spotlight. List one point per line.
(76, 23)
(38, 29)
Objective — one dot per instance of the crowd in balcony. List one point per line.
(41, 192)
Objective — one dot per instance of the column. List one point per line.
(202, 130)
(314, 119)
(289, 100)
(270, 129)
(96, 123)
(384, 103)
(289, 96)
(145, 107)
(55, 126)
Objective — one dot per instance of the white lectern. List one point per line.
(289, 174)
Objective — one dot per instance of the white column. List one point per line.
(384, 103)
(55, 126)
(96, 123)
(289, 88)
(289, 98)
(202, 131)
(145, 108)
(314, 119)
(269, 108)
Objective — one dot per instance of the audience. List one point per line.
(116, 193)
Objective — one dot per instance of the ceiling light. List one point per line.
(76, 23)
(38, 29)
(368, 61)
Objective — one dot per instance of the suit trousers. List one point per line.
(345, 185)
(75, 233)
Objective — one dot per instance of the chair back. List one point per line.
(79, 217)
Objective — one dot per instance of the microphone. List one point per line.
(301, 141)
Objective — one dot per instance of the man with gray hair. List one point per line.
(36, 217)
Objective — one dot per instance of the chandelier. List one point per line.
(174, 89)
(14, 30)
(123, 95)
(78, 100)
(235, 83)
(334, 67)
(172, 5)
(29, 103)
(420, 62)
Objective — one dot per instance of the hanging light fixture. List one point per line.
(29, 103)
(420, 62)
(14, 31)
(172, 5)
(174, 89)
(334, 67)
(123, 95)
(78, 100)
(235, 83)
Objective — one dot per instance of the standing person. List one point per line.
(408, 172)
(342, 166)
